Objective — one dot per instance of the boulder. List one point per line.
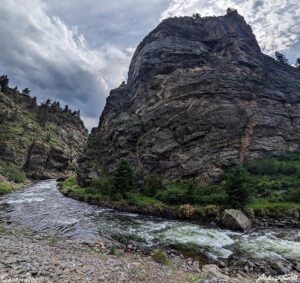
(212, 271)
(236, 220)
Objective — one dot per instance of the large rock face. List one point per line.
(200, 96)
(45, 141)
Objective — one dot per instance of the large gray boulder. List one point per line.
(236, 220)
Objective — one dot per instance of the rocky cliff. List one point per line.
(200, 96)
(43, 140)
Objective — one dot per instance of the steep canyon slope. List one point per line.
(43, 140)
(200, 96)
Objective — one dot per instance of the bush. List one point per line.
(239, 194)
(153, 183)
(11, 172)
(273, 166)
(70, 182)
(112, 250)
(186, 210)
(140, 199)
(175, 193)
(211, 210)
(210, 194)
(160, 257)
(104, 186)
(5, 188)
(293, 195)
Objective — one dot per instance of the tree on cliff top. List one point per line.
(26, 91)
(281, 58)
(297, 65)
(4, 83)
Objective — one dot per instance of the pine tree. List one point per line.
(123, 178)
(281, 58)
(4, 81)
(297, 65)
(237, 187)
(26, 91)
(66, 108)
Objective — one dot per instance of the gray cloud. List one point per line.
(54, 60)
(75, 51)
(276, 24)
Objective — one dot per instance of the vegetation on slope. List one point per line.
(54, 130)
(11, 178)
(267, 186)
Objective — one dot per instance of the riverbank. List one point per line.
(190, 248)
(261, 213)
(11, 178)
(26, 256)
(7, 187)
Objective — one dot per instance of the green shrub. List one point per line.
(273, 166)
(70, 182)
(210, 194)
(112, 250)
(5, 188)
(153, 183)
(239, 194)
(103, 185)
(175, 193)
(160, 257)
(293, 195)
(11, 172)
(137, 198)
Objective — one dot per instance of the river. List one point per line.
(42, 208)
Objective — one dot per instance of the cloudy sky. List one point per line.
(75, 51)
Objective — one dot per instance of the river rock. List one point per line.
(236, 219)
(212, 271)
(200, 96)
(281, 268)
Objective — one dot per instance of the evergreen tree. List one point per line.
(34, 101)
(66, 108)
(152, 184)
(4, 81)
(298, 63)
(281, 58)
(47, 102)
(237, 187)
(123, 178)
(26, 91)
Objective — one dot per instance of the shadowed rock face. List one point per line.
(200, 96)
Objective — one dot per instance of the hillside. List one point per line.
(42, 140)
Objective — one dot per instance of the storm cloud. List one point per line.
(76, 51)
(42, 52)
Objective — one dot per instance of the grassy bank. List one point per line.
(11, 178)
(268, 187)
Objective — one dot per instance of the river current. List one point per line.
(42, 208)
